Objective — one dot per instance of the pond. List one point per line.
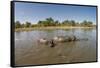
(29, 52)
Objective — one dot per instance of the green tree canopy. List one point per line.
(51, 22)
(86, 23)
(17, 24)
(27, 24)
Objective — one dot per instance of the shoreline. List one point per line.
(50, 28)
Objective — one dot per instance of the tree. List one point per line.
(46, 22)
(87, 23)
(90, 23)
(28, 24)
(66, 22)
(77, 24)
(50, 20)
(39, 22)
(23, 25)
(17, 24)
(84, 23)
(72, 23)
(56, 22)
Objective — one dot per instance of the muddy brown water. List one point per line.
(29, 52)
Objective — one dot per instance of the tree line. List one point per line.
(51, 22)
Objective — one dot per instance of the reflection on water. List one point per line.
(29, 52)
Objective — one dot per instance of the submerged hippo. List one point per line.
(59, 39)
(67, 38)
(45, 41)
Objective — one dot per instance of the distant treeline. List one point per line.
(51, 22)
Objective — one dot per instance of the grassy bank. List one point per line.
(49, 28)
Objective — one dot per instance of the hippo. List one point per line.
(67, 38)
(52, 43)
(43, 41)
(59, 39)
(71, 38)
